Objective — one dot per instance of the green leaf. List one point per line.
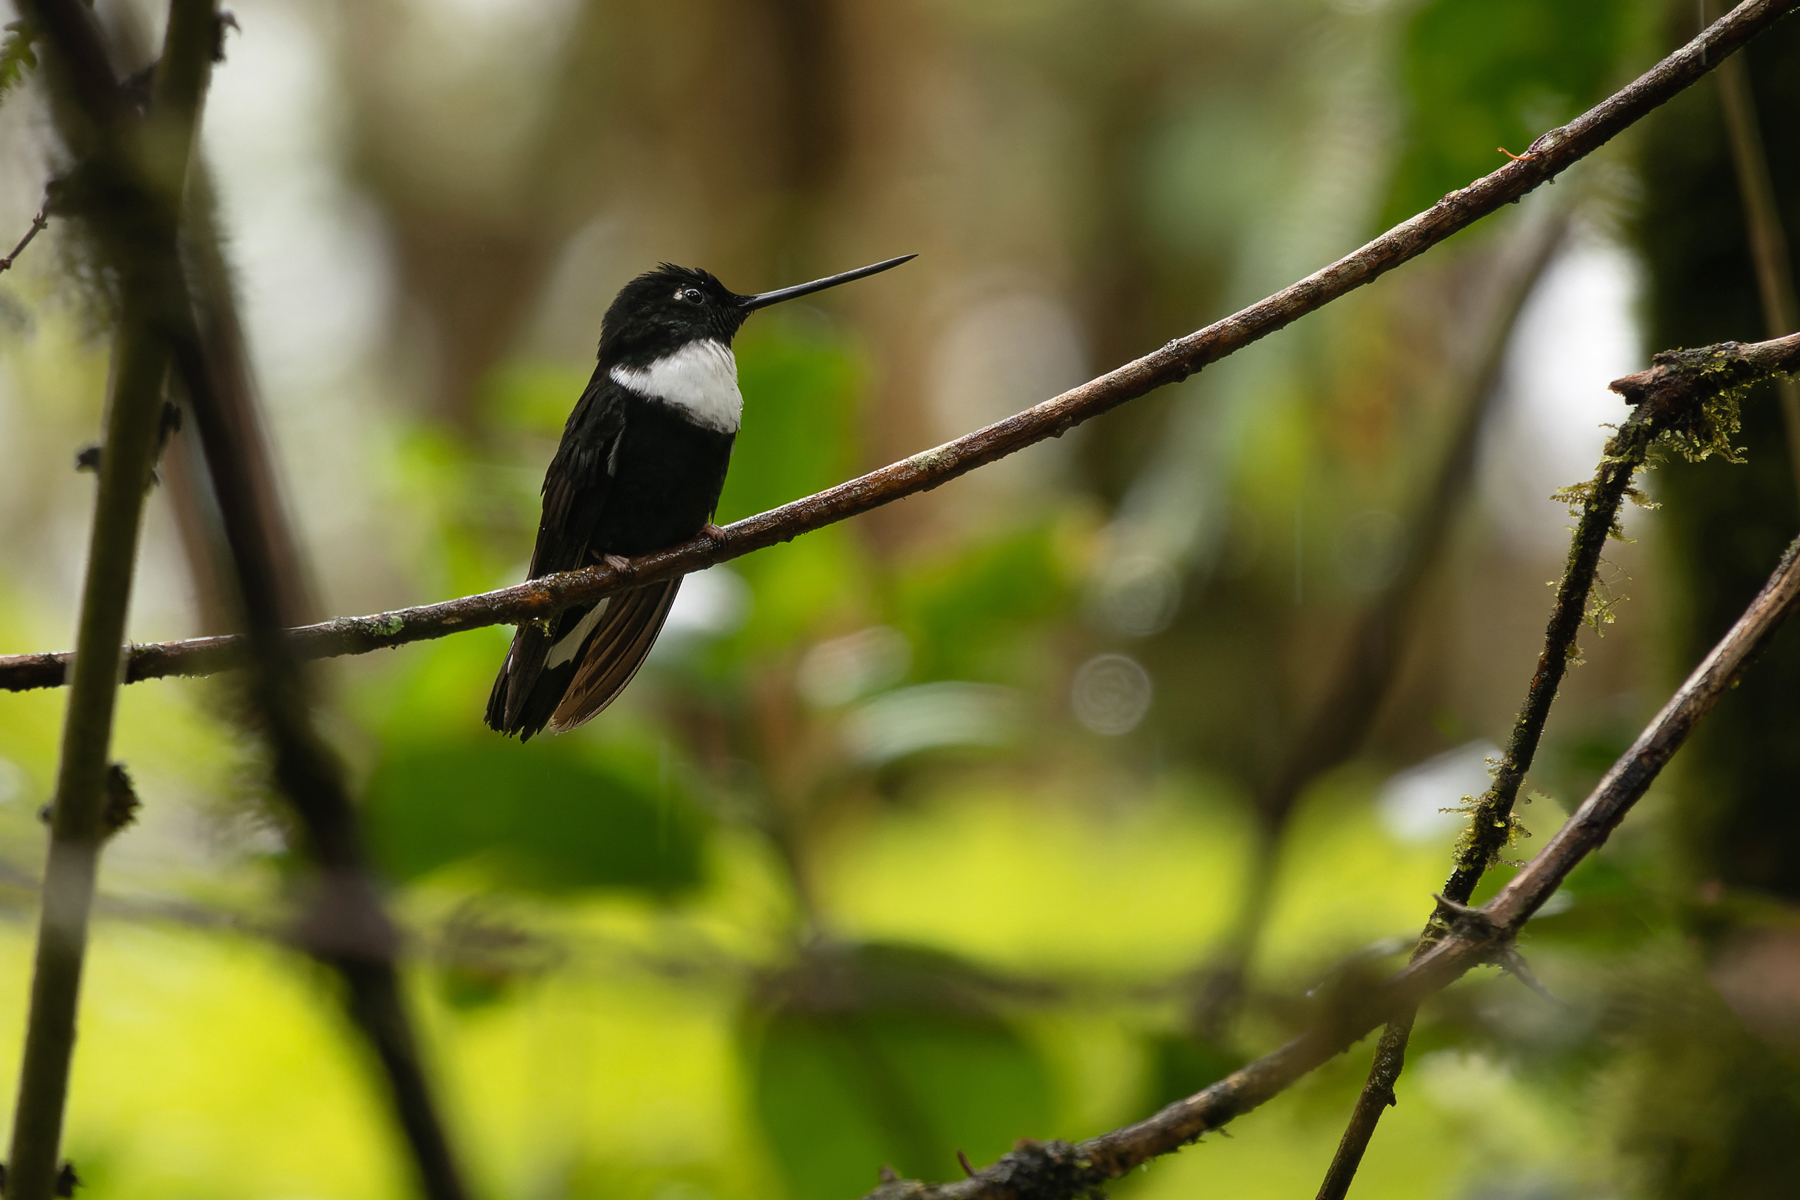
(971, 614)
(535, 817)
(802, 388)
(1481, 74)
(1181, 1066)
(16, 55)
(885, 1057)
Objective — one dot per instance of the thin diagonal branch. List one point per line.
(1768, 241)
(1062, 1170)
(152, 157)
(1679, 401)
(1553, 153)
(1688, 398)
(538, 598)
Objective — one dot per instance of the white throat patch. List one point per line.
(700, 379)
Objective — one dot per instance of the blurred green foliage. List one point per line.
(1482, 74)
(839, 1093)
(843, 881)
(981, 612)
(807, 383)
(889, 1054)
(541, 820)
(16, 54)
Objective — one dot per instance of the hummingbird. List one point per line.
(640, 467)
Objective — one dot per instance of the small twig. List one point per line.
(1552, 154)
(1671, 398)
(1768, 240)
(1679, 380)
(1514, 964)
(1061, 1170)
(37, 224)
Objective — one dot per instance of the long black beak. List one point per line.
(818, 285)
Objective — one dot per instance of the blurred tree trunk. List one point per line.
(698, 115)
(1725, 524)
(1722, 526)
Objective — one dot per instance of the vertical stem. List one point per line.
(159, 150)
(346, 928)
(75, 829)
(1376, 1098)
(1490, 824)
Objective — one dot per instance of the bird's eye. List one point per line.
(692, 295)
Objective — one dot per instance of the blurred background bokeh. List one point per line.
(1015, 809)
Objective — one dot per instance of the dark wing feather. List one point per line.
(575, 492)
(580, 478)
(617, 648)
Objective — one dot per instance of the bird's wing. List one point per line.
(613, 653)
(580, 478)
(543, 659)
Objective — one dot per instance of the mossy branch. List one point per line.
(1728, 365)
(1061, 1170)
(1688, 403)
(1057, 1170)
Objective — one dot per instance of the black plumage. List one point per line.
(641, 465)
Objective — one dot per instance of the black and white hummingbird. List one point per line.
(640, 467)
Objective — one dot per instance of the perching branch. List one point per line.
(1768, 241)
(1552, 153)
(1689, 399)
(1061, 1170)
(132, 167)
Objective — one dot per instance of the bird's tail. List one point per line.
(568, 675)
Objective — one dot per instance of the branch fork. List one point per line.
(1476, 927)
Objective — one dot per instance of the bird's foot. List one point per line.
(616, 562)
(712, 533)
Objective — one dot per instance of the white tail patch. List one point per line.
(570, 645)
(700, 379)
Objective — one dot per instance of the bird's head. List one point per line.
(663, 310)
